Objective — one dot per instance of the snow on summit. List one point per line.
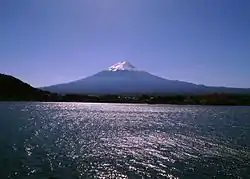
(124, 65)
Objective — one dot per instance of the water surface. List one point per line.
(85, 140)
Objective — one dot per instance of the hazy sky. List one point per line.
(46, 42)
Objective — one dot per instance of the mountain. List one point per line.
(12, 88)
(124, 78)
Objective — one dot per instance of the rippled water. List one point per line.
(84, 140)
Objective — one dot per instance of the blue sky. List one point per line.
(202, 41)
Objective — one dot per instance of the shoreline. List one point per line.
(110, 102)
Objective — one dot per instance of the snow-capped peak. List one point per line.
(124, 65)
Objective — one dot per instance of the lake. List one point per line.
(87, 140)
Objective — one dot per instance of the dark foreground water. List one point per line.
(84, 140)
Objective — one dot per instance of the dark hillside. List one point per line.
(14, 89)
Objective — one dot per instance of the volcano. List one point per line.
(125, 78)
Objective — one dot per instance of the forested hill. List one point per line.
(13, 89)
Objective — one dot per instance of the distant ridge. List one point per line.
(125, 78)
(13, 89)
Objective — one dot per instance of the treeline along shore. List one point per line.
(209, 99)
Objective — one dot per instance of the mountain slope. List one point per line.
(124, 78)
(122, 81)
